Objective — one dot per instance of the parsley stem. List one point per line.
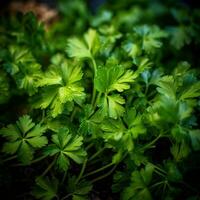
(105, 175)
(89, 146)
(146, 89)
(49, 167)
(98, 170)
(63, 179)
(149, 145)
(158, 183)
(38, 159)
(159, 169)
(81, 172)
(94, 66)
(160, 173)
(67, 196)
(73, 114)
(94, 90)
(43, 117)
(97, 99)
(10, 158)
(32, 162)
(97, 153)
(93, 95)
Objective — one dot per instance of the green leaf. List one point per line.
(19, 55)
(113, 78)
(78, 49)
(66, 146)
(38, 142)
(140, 181)
(151, 37)
(180, 36)
(117, 136)
(180, 150)
(23, 138)
(134, 123)
(167, 87)
(83, 49)
(25, 153)
(28, 76)
(173, 173)
(78, 190)
(111, 105)
(25, 123)
(191, 92)
(61, 87)
(45, 188)
(195, 139)
(4, 88)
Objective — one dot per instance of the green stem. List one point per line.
(95, 161)
(33, 161)
(149, 145)
(94, 66)
(63, 179)
(89, 146)
(159, 169)
(159, 173)
(67, 196)
(158, 183)
(93, 95)
(38, 159)
(82, 171)
(97, 99)
(105, 175)
(49, 167)
(10, 158)
(146, 89)
(73, 114)
(43, 117)
(96, 154)
(98, 170)
(95, 71)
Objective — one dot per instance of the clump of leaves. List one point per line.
(109, 100)
(23, 138)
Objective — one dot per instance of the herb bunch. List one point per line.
(113, 101)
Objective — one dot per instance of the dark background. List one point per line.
(94, 4)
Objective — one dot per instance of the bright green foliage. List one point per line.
(24, 68)
(18, 56)
(111, 105)
(195, 139)
(121, 135)
(64, 146)
(140, 181)
(115, 97)
(23, 138)
(45, 188)
(109, 79)
(150, 37)
(113, 78)
(60, 88)
(83, 49)
(79, 191)
(4, 88)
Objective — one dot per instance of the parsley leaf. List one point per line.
(64, 146)
(83, 49)
(113, 78)
(140, 181)
(23, 138)
(61, 87)
(45, 188)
